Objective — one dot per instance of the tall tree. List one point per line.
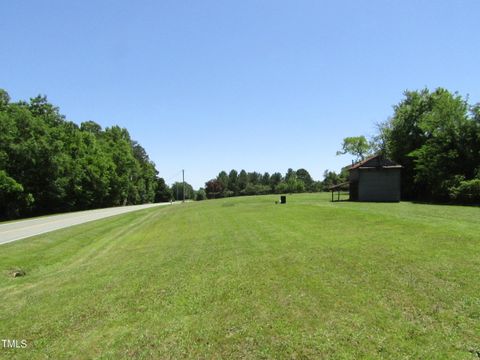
(254, 178)
(445, 153)
(214, 189)
(304, 176)
(275, 180)
(242, 180)
(13, 198)
(177, 191)
(162, 193)
(432, 136)
(331, 178)
(403, 135)
(222, 177)
(233, 182)
(291, 174)
(49, 164)
(265, 179)
(357, 146)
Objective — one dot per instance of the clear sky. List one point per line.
(258, 85)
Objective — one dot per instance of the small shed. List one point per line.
(375, 179)
(339, 189)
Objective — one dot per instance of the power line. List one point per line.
(175, 176)
(167, 180)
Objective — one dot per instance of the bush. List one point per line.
(282, 188)
(12, 197)
(228, 193)
(468, 191)
(255, 189)
(200, 195)
(317, 186)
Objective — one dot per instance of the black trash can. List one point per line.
(283, 199)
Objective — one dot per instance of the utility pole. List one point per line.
(183, 187)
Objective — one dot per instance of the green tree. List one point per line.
(254, 178)
(257, 189)
(403, 135)
(223, 178)
(242, 180)
(200, 194)
(63, 166)
(291, 174)
(445, 152)
(4, 99)
(146, 174)
(467, 191)
(265, 179)
(13, 198)
(304, 176)
(317, 186)
(295, 186)
(275, 180)
(331, 178)
(435, 140)
(282, 188)
(118, 145)
(233, 182)
(177, 191)
(91, 127)
(357, 146)
(162, 193)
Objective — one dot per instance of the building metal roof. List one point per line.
(341, 186)
(375, 161)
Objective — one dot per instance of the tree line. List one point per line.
(255, 183)
(435, 136)
(49, 164)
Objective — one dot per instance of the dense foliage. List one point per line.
(435, 136)
(177, 191)
(49, 164)
(255, 183)
(331, 178)
(357, 146)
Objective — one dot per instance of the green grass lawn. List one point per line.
(245, 278)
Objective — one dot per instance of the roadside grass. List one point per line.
(245, 278)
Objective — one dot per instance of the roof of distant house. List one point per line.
(375, 161)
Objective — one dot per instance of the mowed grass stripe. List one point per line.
(245, 278)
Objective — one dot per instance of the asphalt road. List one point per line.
(21, 229)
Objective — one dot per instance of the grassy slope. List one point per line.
(245, 278)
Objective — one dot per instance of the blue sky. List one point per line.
(255, 85)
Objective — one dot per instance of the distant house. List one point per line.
(375, 179)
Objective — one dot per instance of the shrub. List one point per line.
(282, 188)
(200, 195)
(468, 191)
(12, 197)
(256, 189)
